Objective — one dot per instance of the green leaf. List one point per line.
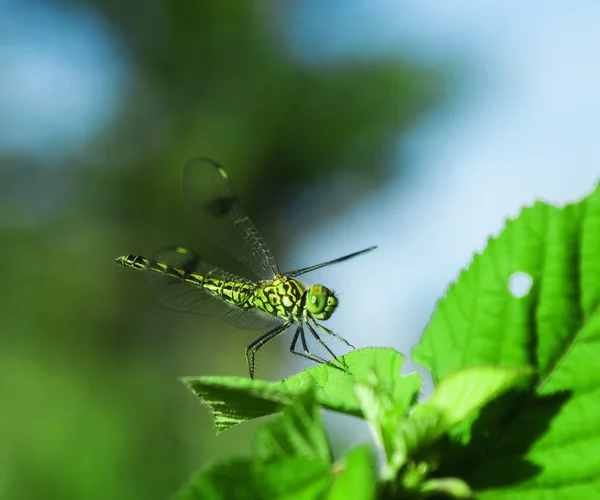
(355, 476)
(299, 432)
(233, 400)
(293, 454)
(548, 444)
(292, 461)
(293, 479)
(223, 480)
(385, 401)
(242, 479)
(463, 392)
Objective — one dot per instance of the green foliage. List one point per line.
(515, 410)
(233, 400)
(372, 387)
(554, 329)
(292, 460)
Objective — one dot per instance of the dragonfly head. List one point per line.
(321, 302)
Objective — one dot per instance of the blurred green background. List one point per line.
(91, 403)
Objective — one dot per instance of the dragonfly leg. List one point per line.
(306, 353)
(339, 337)
(318, 339)
(295, 339)
(253, 348)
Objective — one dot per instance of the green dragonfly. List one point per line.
(184, 281)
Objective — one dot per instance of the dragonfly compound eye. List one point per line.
(321, 302)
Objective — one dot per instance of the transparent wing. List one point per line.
(181, 296)
(217, 209)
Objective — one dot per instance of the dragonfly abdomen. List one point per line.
(234, 292)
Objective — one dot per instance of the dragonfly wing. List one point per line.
(181, 296)
(251, 319)
(217, 208)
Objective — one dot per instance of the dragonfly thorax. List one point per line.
(321, 302)
(289, 298)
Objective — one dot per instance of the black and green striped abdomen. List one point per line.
(234, 292)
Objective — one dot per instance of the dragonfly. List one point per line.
(184, 281)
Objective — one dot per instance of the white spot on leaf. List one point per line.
(519, 284)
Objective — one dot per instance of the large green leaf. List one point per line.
(243, 479)
(385, 401)
(418, 443)
(465, 391)
(233, 400)
(291, 445)
(546, 445)
(232, 478)
(299, 432)
(292, 461)
(293, 479)
(355, 476)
